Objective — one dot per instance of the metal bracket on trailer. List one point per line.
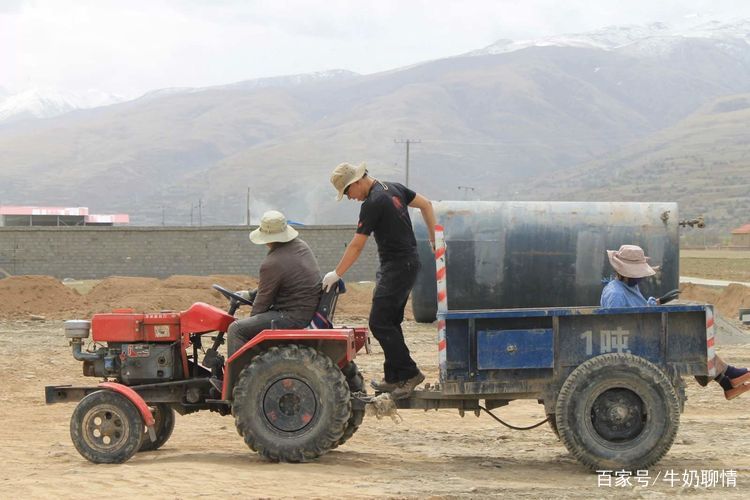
(419, 400)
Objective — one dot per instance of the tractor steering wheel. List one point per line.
(232, 296)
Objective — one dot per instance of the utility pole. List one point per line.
(466, 190)
(408, 142)
(162, 215)
(191, 213)
(200, 211)
(248, 205)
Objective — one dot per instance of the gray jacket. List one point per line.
(289, 280)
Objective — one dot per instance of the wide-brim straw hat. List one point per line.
(273, 229)
(630, 261)
(344, 175)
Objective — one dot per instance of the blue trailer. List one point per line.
(610, 380)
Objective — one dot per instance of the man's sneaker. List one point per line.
(406, 387)
(737, 391)
(383, 386)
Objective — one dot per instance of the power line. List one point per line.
(248, 205)
(407, 142)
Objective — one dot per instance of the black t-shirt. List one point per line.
(385, 212)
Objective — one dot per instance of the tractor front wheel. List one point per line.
(291, 404)
(163, 427)
(106, 428)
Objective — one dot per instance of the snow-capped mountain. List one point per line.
(293, 80)
(655, 38)
(47, 103)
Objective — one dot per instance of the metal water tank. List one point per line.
(540, 254)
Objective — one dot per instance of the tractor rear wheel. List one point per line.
(106, 428)
(291, 404)
(617, 411)
(356, 383)
(164, 418)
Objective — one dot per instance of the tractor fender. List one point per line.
(340, 344)
(139, 403)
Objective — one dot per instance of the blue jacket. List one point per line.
(619, 294)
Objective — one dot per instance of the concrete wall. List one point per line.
(98, 252)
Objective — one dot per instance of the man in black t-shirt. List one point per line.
(385, 212)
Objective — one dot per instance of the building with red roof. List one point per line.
(11, 215)
(741, 236)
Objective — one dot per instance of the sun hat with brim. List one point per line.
(630, 261)
(273, 229)
(346, 174)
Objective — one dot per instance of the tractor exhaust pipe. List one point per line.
(76, 345)
(77, 330)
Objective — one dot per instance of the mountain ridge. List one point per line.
(496, 122)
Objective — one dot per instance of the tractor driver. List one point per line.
(289, 284)
(631, 266)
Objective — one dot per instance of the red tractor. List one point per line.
(290, 391)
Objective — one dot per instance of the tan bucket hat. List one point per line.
(273, 229)
(346, 174)
(630, 261)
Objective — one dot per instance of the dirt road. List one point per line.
(428, 455)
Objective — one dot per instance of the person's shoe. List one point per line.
(703, 380)
(742, 379)
(383, 386)
(406, 387)
(737, 391)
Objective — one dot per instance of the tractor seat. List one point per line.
(323, 317)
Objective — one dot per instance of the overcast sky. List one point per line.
(128, 47)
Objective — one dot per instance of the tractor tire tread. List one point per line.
(261, 440)
(356, 383)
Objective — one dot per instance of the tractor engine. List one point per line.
(132, 348)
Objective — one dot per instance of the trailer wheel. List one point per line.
(356, 383)
(617, 411)
(164, 417)
(106, 428)
(291, 404)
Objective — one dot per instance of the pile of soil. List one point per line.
(22, 296)
(45, 296)
(728, 301)
(355, 303)
(175, 293)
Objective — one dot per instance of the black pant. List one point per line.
(394, 282)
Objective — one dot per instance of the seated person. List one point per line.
(289, 284)
(631, 266)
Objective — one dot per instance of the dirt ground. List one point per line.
(427, 455)
(44, 297)
(730, 265)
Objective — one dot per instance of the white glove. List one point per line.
(330, 279)
(248, 295)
